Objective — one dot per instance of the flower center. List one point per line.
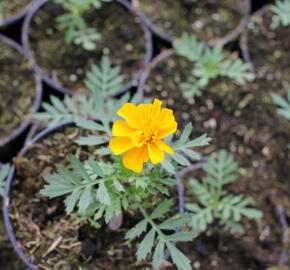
(143, 137)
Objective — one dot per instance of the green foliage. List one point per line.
(283, 104)
(104, 189)
(105, 79)
(105, 113)
(156, 237)
(182, 147)
(101, 81)
(98, 190)
(214, 202)
(209, 63)
(281, 11)
(4, 171)
(73, 22)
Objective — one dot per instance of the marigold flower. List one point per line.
(141, 136)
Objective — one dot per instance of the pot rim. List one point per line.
(37, 97)
(10, 178)
(37, 4)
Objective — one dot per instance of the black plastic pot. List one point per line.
(25, 41)
(11, 144)
(16, 18)
(10, 179)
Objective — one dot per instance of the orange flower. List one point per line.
(141, 136)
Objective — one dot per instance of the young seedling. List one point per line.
(74, 24)
(281, 11)
(132, 178)
(214, 202)
(100, 81)
(209, 63)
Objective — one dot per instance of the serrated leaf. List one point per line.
(91, 140)
(85, 199)
(137, 230)
(71, 201)
(180, 159)
(185, 134)
(251, 213)
(68, 176)
(79, 168)
(4, 171)
(167, 165)
(202, 140)
(158, 255)
(162, 209)
(192, 154)
(178, 258)
(55, 191)
(103, 195)
(174, 222)
(103, 151)
(105, 79)
(90, 125)
(118, 185)
(146, 245)
(109, 213)
(95, 167)
(57, 103)
(182, 236)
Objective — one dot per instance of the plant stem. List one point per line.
(154, 226)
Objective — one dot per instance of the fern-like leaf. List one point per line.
(281, 11)
(214, 202)
(284, 104)
(105, 79)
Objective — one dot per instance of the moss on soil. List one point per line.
(122, 37)
(209, 20)
(17, 90)
(13, 7)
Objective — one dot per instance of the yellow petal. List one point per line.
(156, 107)
(165, 147)
(144, 113)
(130, 112)
(120, 145)
(166, 130)
(134, 158)
(156, 155)
(121, 128)
(137, 138)
(165, 115)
